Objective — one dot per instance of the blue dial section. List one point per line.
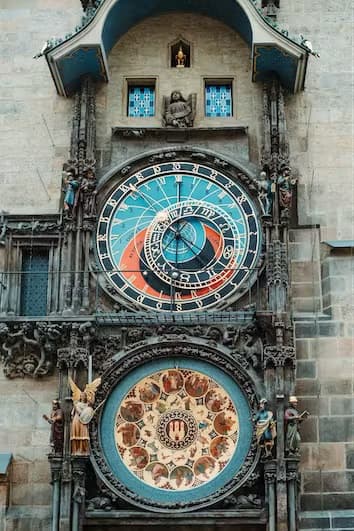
(178, 236)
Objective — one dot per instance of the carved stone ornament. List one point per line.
(174, 350)
(179, 112)
(245, 342)
(30, 349)
(279, 356)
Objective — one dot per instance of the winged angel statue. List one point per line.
(82, 415)
(178, 112)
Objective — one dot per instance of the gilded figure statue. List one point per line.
(81, 416)
(265, 429)
(179, 112)
(180, 58)
(292, 419)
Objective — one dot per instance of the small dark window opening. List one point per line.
(180, 55)
(34, 282)
(265, 3)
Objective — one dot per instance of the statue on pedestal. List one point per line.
(56, 421)
(292, 419)
(265, 429)
(82, 414)
(88, 194)
(71, 187)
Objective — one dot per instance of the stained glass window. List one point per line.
(218, 100)
(141, 101)
(34, 282)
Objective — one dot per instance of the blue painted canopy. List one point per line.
(85, 53)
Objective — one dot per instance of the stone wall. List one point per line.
(26, 435)
(35, 125)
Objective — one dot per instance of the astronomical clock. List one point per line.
(179, 236)
(179, 240)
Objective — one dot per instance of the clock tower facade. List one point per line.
(162, 288)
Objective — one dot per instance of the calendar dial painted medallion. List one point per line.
(178, 236)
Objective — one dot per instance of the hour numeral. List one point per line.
(102, 237)
(104, 219)
(157, 170)
(241, 199)
(176, 166)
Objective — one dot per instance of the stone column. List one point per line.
(79, 465)
(56, 467)
(291, 476)
(270, 476)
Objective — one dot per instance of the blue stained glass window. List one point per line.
(141, 101)
(218, 100)
(34, 282)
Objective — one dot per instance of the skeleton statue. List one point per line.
(88, 193)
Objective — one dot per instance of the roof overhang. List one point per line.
(86, 52)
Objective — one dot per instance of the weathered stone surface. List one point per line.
(336, 429)
(338, 481)
(306, 369)
(308, 387)
(311, 481)
(342, 406)
(350, 456)
(309, 430)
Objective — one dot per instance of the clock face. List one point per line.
(178, 236)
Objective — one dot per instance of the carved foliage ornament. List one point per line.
(140, 402)
(245, 343)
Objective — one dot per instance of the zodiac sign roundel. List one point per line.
(178, 236)
(176, 432)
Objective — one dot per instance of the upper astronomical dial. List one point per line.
(178, 236)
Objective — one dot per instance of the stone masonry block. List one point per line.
(336, 368)
(338, 481)
(302, 349)
(306, 369)
(308, 387)
(336, 429)
(342, 405)
(309, 430)
(20, 472)
(311, 481)
(316, 406)
(350, 456)
(336, 387)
